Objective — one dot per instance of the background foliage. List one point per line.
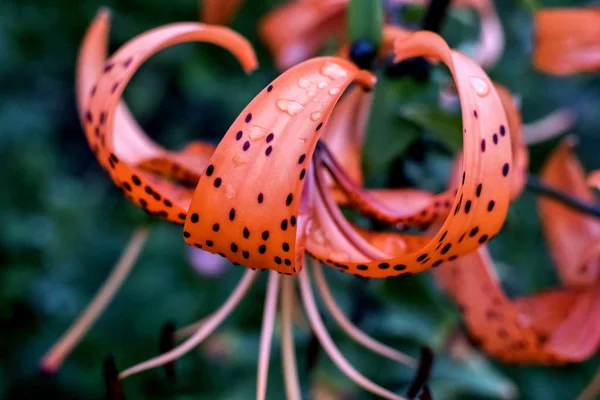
(64, 223)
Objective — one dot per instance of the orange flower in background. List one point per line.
(316, 21)
(567, 40)
(219, 12)
(555, 326)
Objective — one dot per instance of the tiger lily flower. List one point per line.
(316, 21)
(555, 326)
(567, 40)
(263, 196)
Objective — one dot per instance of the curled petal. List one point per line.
(121, 148)
(481, 200)
(246, 204)
(296, 31)
(572, 237)
(567, 40)
(538, 329)
(219, 12)
(519, 147)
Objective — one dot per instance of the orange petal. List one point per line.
(103, 115)
(219, 12)
(246, 205)
(567, 40)
(481, 201)
(572, 237)
(532, 330)
(519, 147)
(296, 31)
(409, 207)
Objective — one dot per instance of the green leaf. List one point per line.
(365, 20)
(445, 126)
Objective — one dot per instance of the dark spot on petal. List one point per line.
(478, 191)
(277, 260)
(246, 145)
(232, 214)
(483, 238)
(284, 225)
(383, 266)
(491, 205)
(302, 158)
(234, 247)
(215, 228)
(210, 169)
(270, 137)
(238, 135)
(262, 249)
(399, 267)
(482, 145)
(319, 126)
(186, 234)
(246, 233)
(260, 198)
(422, 257)
(268, 151)
(249, 117)
(474, 231)
(505, 169)
(217, 182)
(269, 88)
(289, 199)
(265, 235)
(194, 218)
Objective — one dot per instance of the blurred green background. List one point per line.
(64, 223)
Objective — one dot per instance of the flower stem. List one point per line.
(539, 188)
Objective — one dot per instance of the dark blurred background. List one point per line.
(64, 223)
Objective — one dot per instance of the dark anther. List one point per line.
(167, 343)
(312, 353)
(114, 391)
(363, 53)
(418, 68)
(422, 376)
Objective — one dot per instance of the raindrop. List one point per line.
(239, 160)
(316, 115)
(481, 88)
(322, 85)
(334, 91)
(257, 133)
(289, 106)
(303, 83)
(333, 71)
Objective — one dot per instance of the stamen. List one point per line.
(167, 343)
(53, 359)
(329, 346)
(423, 372)
(266, 335)
(114, 391)
(189, 330)
(353, 331)
(212, 323)
(288, 359)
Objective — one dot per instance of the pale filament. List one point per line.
(288, 359)
(329, 346)
(353, 331)
(208, 327)
(53, 359)
(266, 335)
(549, 126)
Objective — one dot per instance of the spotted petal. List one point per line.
(573, 238)
(481, 201)
(549, 328)
(567, 40)
(246, 204)
(120, 145)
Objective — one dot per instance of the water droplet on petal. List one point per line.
(333, 71)
(290, 106)
(322, 85)
(317, 235)
(303, 138)
(239, 160)
(311, 93)
(303, 83)
(316, 115)
(229, 191)
(315, 99)
(334, 91)
(479, 86)
(257, 133)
